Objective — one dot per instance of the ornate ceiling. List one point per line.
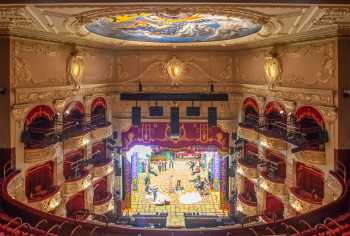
(216, 26)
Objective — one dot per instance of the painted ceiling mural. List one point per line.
(173, 28)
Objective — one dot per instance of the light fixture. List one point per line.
(175, 68)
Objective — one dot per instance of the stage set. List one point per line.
(175, 177)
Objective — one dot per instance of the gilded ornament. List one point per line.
(75, 69)
(273, 70)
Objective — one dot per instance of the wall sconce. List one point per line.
(175, 68)
(75, 68)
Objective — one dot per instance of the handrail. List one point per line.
(342, 170)
(56, 226)
(305, 223)
(39, 223)
(326, 227)
(14, 220)
(270, 230)
(28, 226)
(75, 230)
(6, 167)
(92, 232)
(333, 221)
(254, 232)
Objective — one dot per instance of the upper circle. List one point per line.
(168, 27)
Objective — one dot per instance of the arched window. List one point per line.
(250, 111)
(275, 119)
(73, 119)
(39, 127)
(310, 124)
(99, 112)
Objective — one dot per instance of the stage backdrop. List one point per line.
(191, 134)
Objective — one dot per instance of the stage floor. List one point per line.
(186, 201)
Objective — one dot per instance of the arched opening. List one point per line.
(250, 112)
(40, 181)
(274, 208)
(99, 113)
(73, 120)
(39, 128)
(309, 183)
(310, 124)
(275, 118)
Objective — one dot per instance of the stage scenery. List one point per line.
(175, 179)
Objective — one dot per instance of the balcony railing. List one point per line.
(247, 206)
(248, 167)
(48, 200)
(40, 154)
(274, 185)
(102, 168)
(303, 201)
(77, 183)
(102, 132)
(102, 206)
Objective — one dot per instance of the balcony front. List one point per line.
(247, 205)
(102, 168)
(272, 136)
(303, 201)
(272, 184)
(101, 132)
(247, 132)
(77, 183)
(248, 167)
(76, 142)
(313, 157)
(40, 154)
(47, 200)
(104, 204)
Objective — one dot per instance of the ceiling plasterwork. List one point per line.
(67, 23)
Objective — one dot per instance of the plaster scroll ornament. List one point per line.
(175, 68)
(75, 69)
(273, 70)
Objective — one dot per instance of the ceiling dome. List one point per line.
(173, 27)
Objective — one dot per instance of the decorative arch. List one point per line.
(250, 102)
(39, 180)
(310, 113)
(274, 106)
(98, 102)
(74, 106)
(41, 111)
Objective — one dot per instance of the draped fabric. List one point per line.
(69, 160)
(273, 206)
(39, 178)
(310, 113)
(310, 180)
(75, 105)
(274, 107)
(98, 102)
(38, 112)
(76, 203)
(250, 102)
(192, 134)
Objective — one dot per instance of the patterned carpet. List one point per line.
(209, 204)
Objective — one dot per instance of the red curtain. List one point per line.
(310, 179)
(71, 158)
(77, 202)
(311, 113)
(100, 101)
(273, 204)
(250, 102)
(40, 175)
(39, 111)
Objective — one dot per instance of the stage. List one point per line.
(187, 198)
